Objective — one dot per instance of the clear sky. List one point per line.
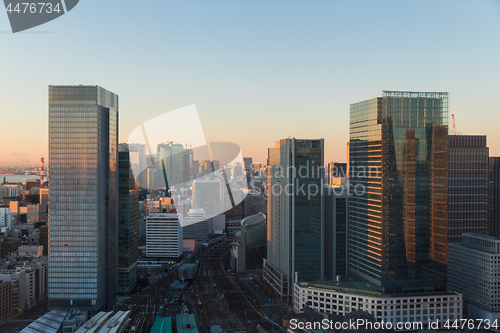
(257, 71)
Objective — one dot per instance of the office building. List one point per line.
(341, 299)
(336, 214)
(128, 223)
(337, 174)
(139, 163)
(175, 163)
(83, 142)
(473, 268)
(295, 214)
(195, 225)
(494, 197)
(250, 246)
(468, 186)
(398, 171)
(164, 235)
(5, 301)
(209, 196)
(5, 217)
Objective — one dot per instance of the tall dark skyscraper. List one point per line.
(398, 217)
(83, 140)
(128, 223)
(295, 214)
(494, 197)
(336, 213)
(468, 186)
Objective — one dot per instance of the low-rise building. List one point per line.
(345, 297)
(474, 271)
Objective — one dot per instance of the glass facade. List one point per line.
(128, 223)
(83, 132)
(398, 172)
(295, 213)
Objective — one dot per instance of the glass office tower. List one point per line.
(398, 160)
(128, 222)
(494, 197)
(295, 214)
(83, 132)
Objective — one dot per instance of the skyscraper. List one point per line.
(295, 214)
(494, 197)
(398, 160)
(83, 140)
(128, 223)
(468, 186)
(175, 163)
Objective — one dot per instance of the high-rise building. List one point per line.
(83, 141)
(139, 162)
(164, 235)
(175, 163)
(494, 197)
(128, 223)
(473, 268)
(209, 196)
(336, 214)
(398, 173)
(468, 186)
(295, 214)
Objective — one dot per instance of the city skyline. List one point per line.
(260, 66)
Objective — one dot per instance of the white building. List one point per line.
(32, 251)
(5, 217)
(474, 271)
(342, 298)
(164, 235)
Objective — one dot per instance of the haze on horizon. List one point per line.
(257, 71)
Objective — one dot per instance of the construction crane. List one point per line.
(453, 123)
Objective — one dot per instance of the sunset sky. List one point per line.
(258, 71)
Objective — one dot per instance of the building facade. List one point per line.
(468, 186)
(473, 268)
(164, 235)
(494, 197)
(128, 223)
(83, 141)
(336, 217)
(295, 214)
(398, 170)
(402, 308)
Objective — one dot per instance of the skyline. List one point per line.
(259, 67)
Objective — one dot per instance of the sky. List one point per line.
(257, 71)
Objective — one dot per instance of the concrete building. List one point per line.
(343, 298)
(473, 270)
(164, 235)
(250, 245)
(5, 217)
(209, 196)
(195, 225)
(467, 186)
(5, 301)
(32, 251)
(83, 220)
